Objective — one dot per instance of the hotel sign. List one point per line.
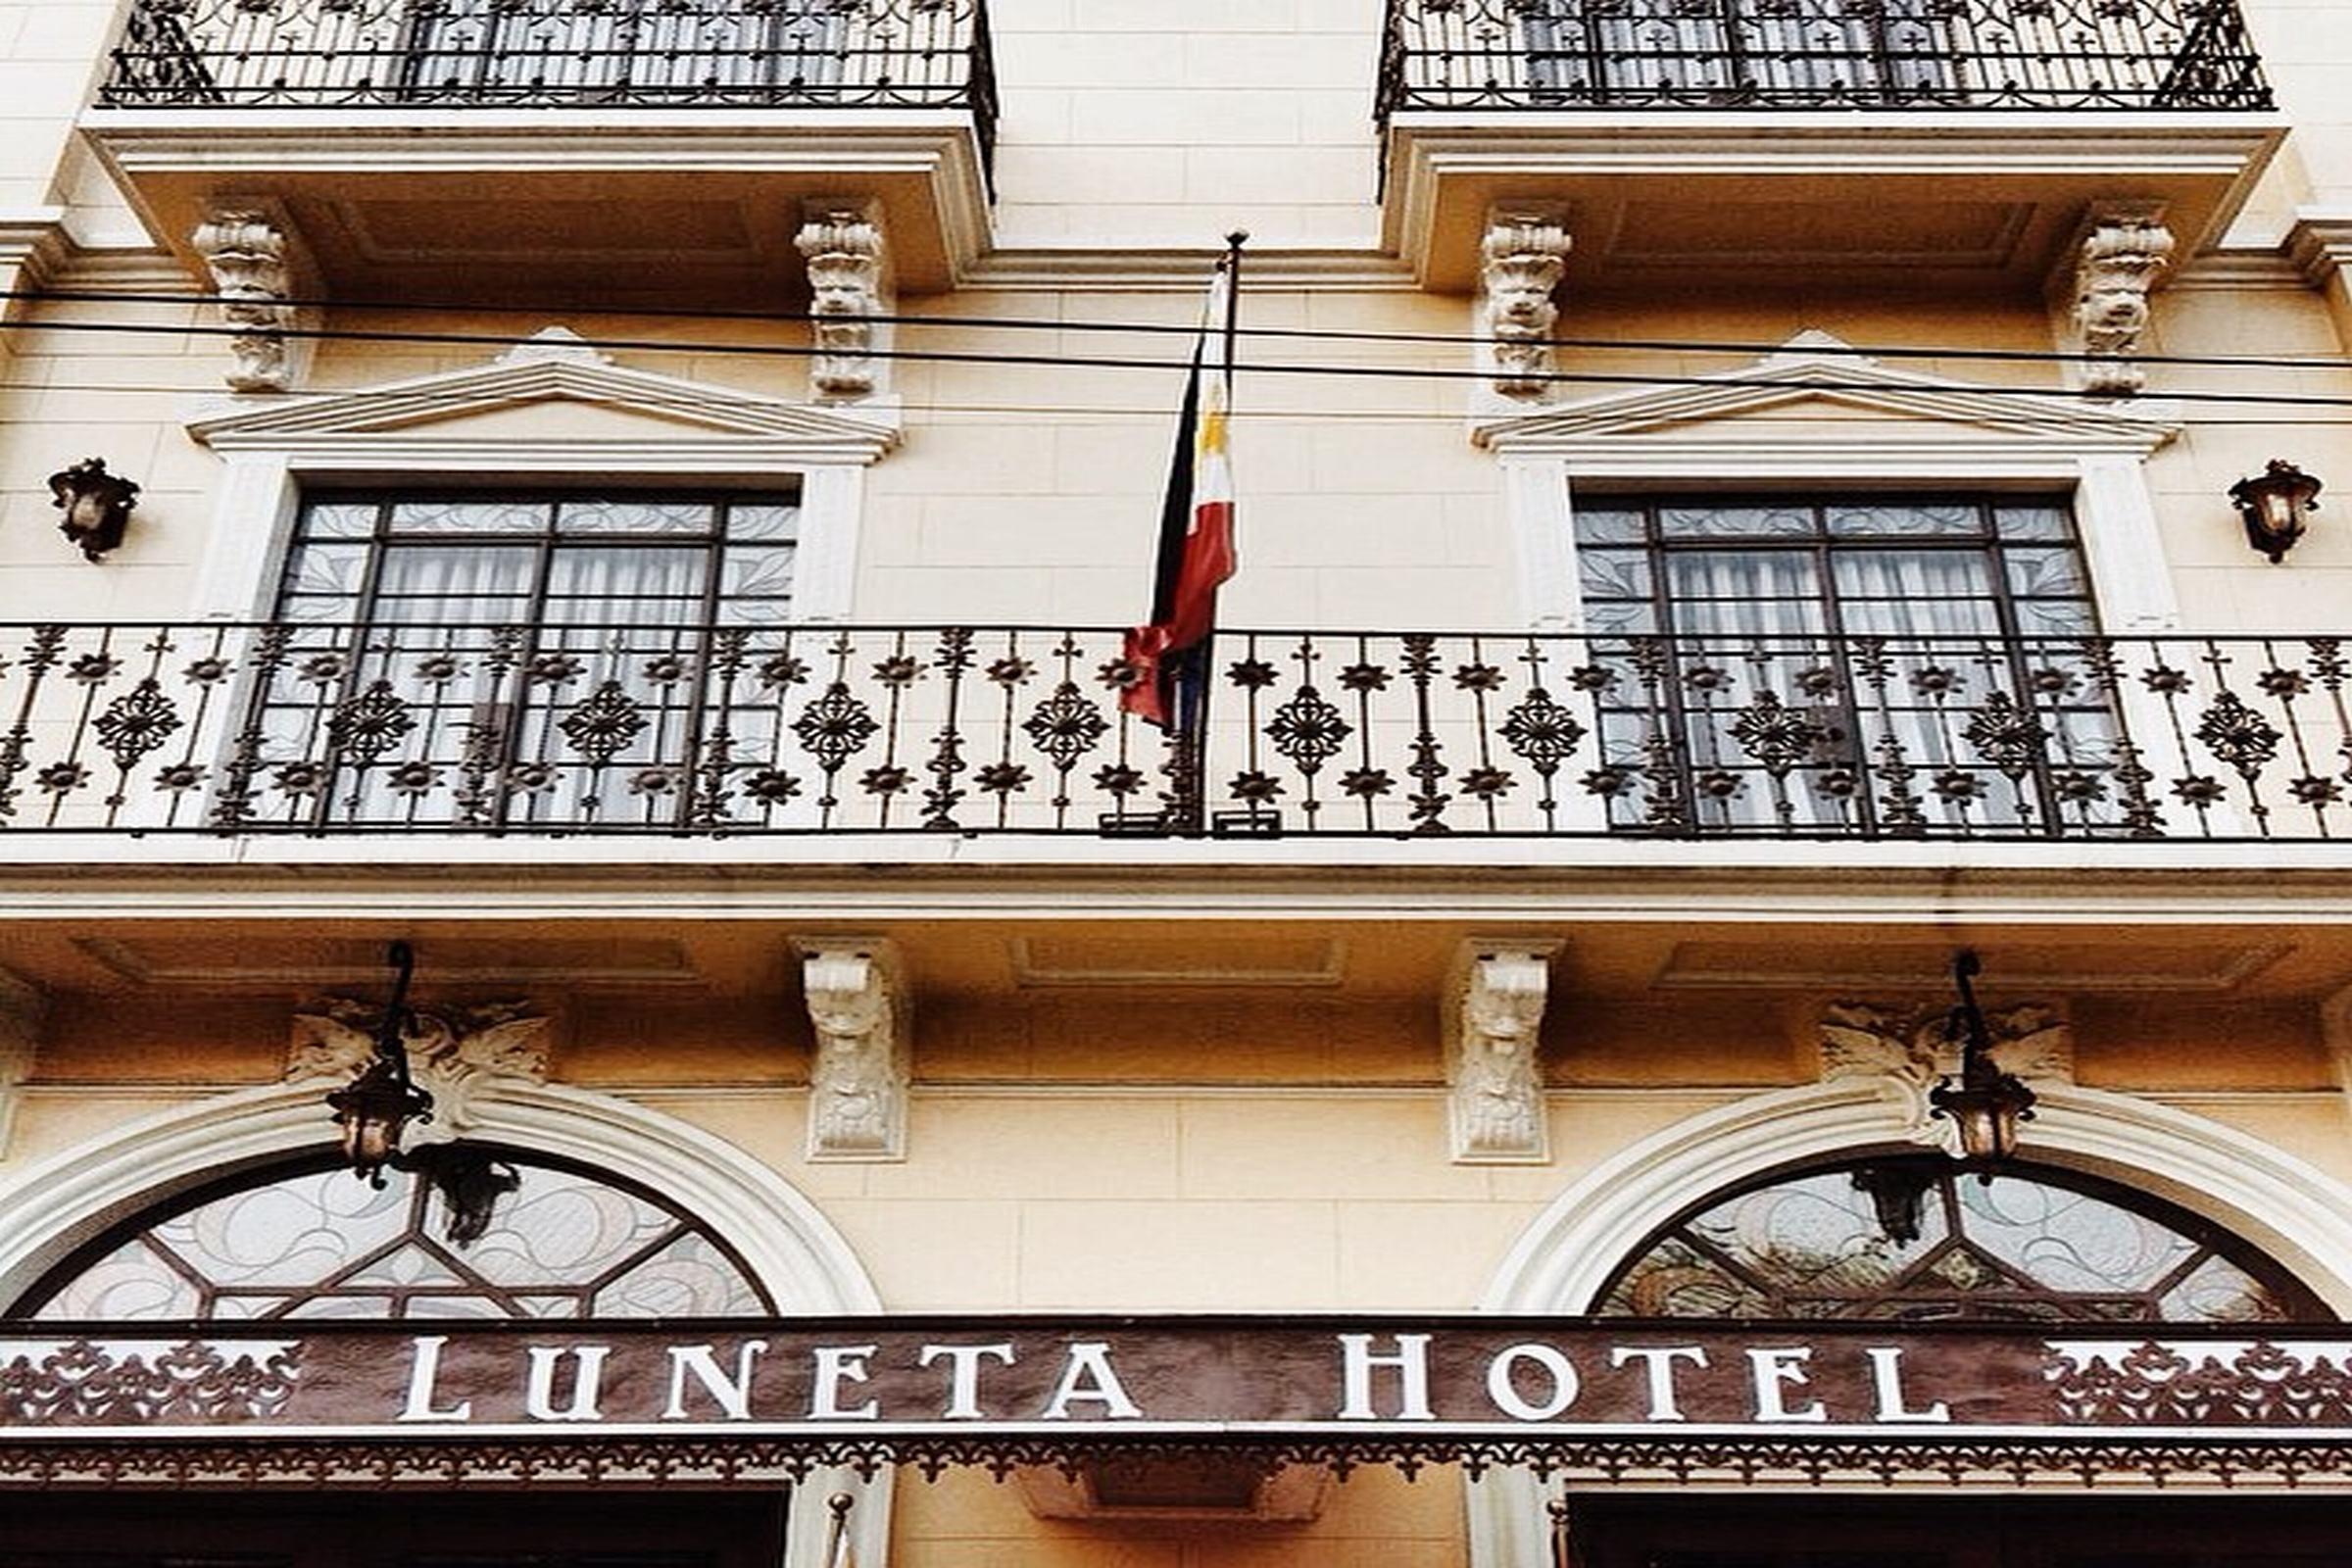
(1172, 1377)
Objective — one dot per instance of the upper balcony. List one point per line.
(296, 730)
(637, 151)
(1953, 143)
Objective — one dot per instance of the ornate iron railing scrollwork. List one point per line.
(1925, 55)
(771, 729)
(443, 54)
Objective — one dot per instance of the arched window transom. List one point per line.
(309, 1242)
(1920, 1238)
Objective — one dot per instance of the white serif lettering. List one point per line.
(1504, 1392)
(963, 1374)
(587, 1379)
(1775, 1369)
(1887, 1374)
(1657, 1365)
(837, 1364)
(1090, 1360)
(734, 1394)
(1410, 1362)
(424, 1368)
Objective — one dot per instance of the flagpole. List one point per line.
(1196, 670)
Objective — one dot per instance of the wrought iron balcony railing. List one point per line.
(440, 54)
(1558, 55)
(325, 730)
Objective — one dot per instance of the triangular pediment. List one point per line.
(552, 386)
(1817, 381)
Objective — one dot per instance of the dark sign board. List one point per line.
(1176, 1377)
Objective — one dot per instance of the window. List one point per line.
(1871, 662)
(537, 50)
(309, 1242)
(1916, 1238)
(500, 659)
(1748, 51)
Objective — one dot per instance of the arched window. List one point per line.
(308, 1241)
(1918, 1238)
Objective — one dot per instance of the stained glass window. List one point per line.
(307, 1242)
(1920, 1238)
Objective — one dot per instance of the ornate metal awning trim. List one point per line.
(1621, 1401)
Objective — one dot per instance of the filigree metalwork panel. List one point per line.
(731, 730)
(443, 54)
(1559, 56)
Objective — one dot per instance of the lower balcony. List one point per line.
(325, 730)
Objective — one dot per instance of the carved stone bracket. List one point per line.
(2124, 250)
(848, 286)
(249, 255)
(23, 1008)
(1494, 1027)
(1522, 259)
(1904, 1048)
(859, 1078)
(460, 1055)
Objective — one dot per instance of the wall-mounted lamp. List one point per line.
(375, 1106)
(2274, 503)
(1989, 1104)
(96, 504)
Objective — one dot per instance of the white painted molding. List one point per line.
(2318, 244)
(1749, 424)
(24, 1007)
(1492, 1009)
(1943, 417)
(2292, 1211)
(416, 429)
(51, 1207)
(861, 1075)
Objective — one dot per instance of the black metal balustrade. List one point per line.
(439, 54)
(1554, 55)
(325, 730)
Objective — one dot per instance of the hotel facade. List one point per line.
(1743, 960)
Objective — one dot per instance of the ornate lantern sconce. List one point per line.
(2273, 505)
(1989, 1104)
(375, 1106)
(96, 504)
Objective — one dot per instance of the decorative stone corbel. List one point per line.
(1906, 1051)
(249, 257)
(2125, 249)
(463, 1057)
(1493, 1018)
(859, 1078)
(24, 1007)
(848, 286)
(1521, 259)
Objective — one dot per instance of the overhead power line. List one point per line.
(1014, 412)
(2314, 362)
(489, 341)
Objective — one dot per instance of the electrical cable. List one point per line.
(2319, 362)
(1105, 362)
(1059, 413)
